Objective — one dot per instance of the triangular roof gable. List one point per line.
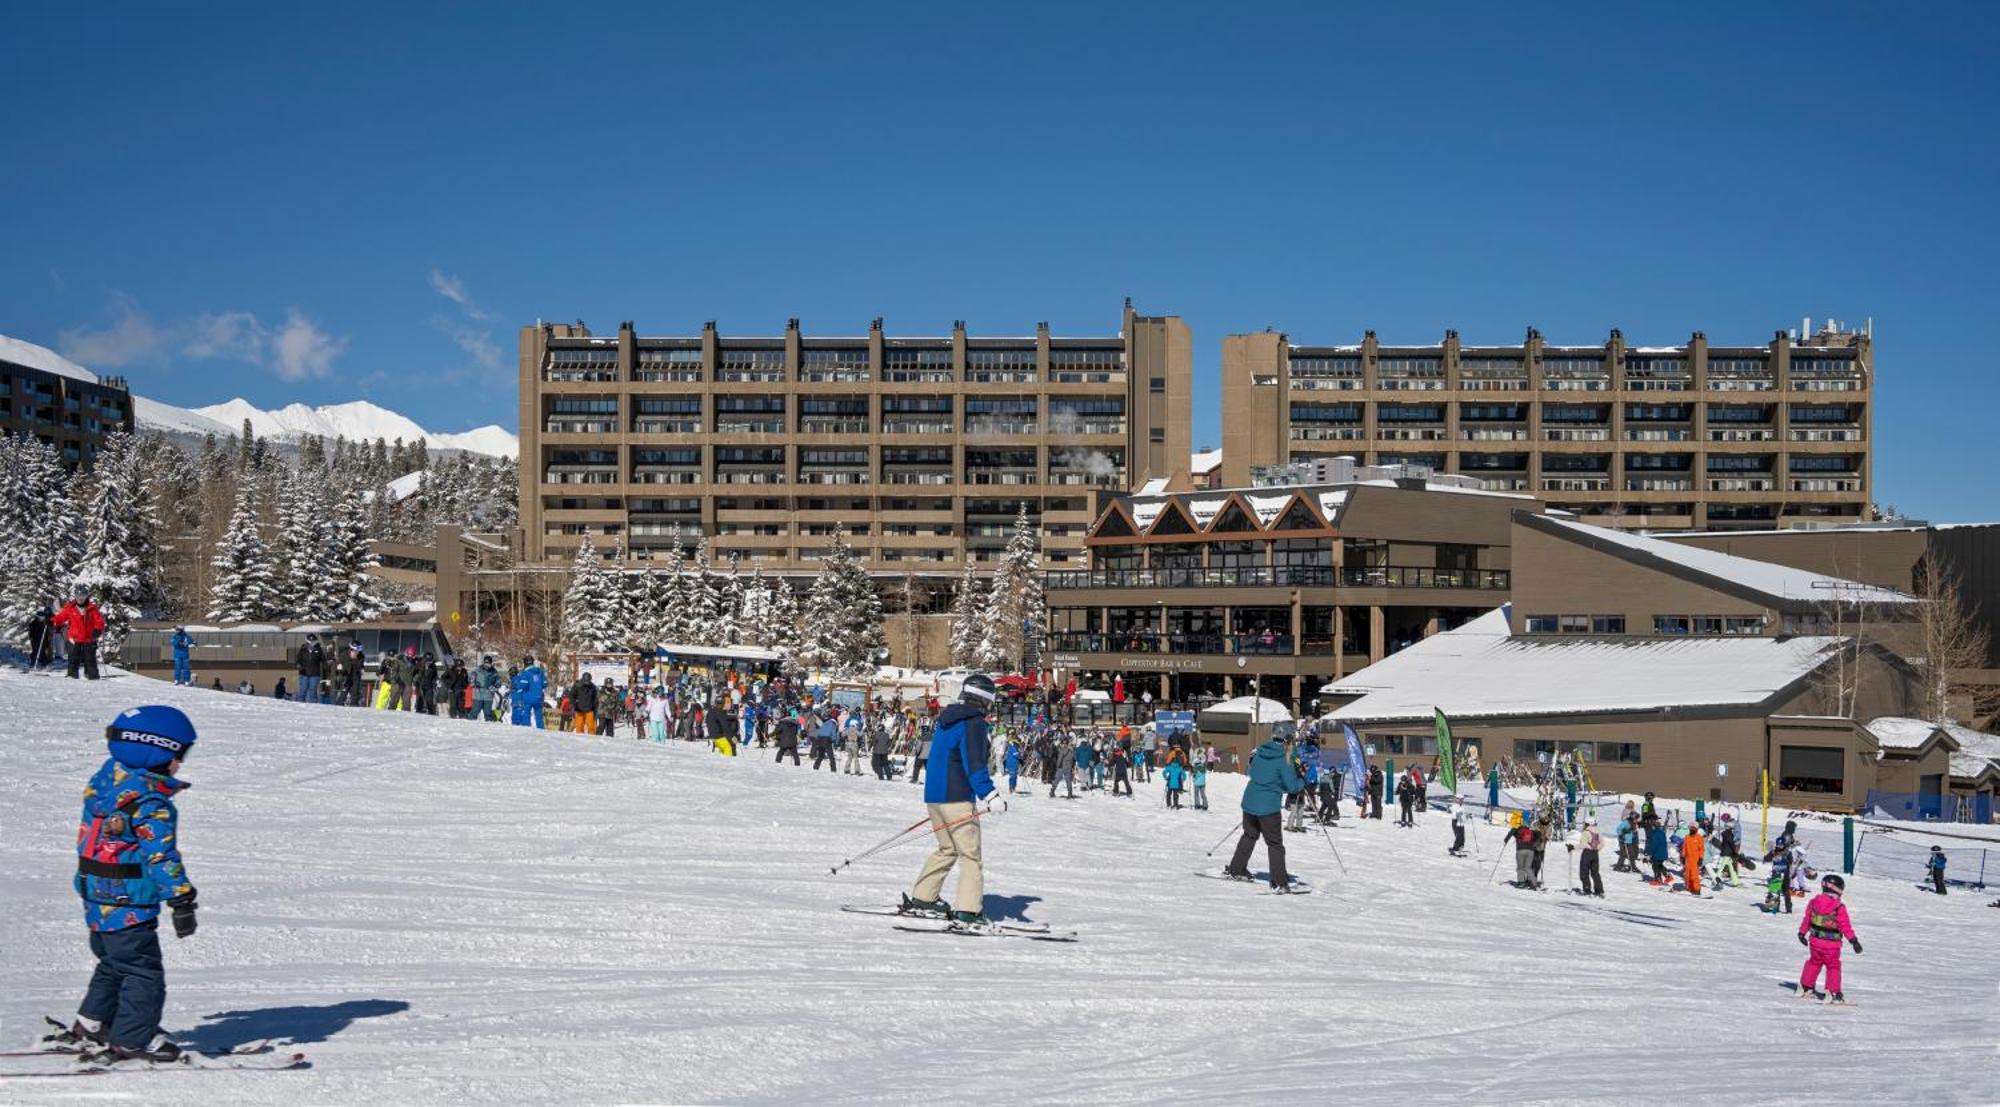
(1236, 517)
(1173, 519)
(1300, 514)
(1116, 522)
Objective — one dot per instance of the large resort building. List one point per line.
(922, 448)
(47, 396)
(1695, 435)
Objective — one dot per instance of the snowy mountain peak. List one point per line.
(356, 420)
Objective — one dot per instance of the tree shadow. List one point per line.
(293, 1025)
(1014, 908)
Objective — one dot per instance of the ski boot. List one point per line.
(81, 1036)
(970, 920)
(926, 907)
(1836, 1000)
(1812, 994)
(1236, 874)
(162, 1050)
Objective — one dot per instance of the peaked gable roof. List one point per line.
(1116, 522)
(1173, 519)
(1235, 517)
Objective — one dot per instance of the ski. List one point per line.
(1297, 888)
(991, 930)
(889, 910)
(51, 1045)
(101, 1065)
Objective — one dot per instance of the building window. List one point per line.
(1821, 769)
(1156, 434)
(1573, 624)
(1618, 753)
(1157, 385)
(1607, 624)
(1542, 624)
(1533, 749)
(1671, 624)
(1743, 624)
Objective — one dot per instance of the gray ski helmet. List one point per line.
(978, 689)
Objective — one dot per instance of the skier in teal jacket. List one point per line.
(1272, 778)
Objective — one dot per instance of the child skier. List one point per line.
(1821, 931)
(1692, 848)
(1656, 848)
(128, 864)
(1936, 868)
(1173, 775)
(1525, 842)
(1457, 827)
(1588, 875)
(1200, 775)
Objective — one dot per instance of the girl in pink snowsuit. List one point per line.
(1820, 931)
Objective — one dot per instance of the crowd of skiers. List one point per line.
(77, 627)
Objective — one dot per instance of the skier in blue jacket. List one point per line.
(527, 688)
(1272, 778)
(181, 643)
(957, 792)
(1012, 761)
(1936, 869)
(128, 864)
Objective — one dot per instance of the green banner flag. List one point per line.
(1447, 755)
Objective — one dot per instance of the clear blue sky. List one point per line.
(331, 201)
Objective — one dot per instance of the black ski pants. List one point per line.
(1937, 880)
(1271, 829)
(820, 753)
(84, 654)
(794, 751)
(1457, 838)
(1125, 782)
(916, 770)
(1589, 875)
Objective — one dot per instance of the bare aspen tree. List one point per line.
(1951, 643)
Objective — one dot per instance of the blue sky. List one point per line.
(337, 201)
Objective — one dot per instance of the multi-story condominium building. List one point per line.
(1687, 436)
(60, 402)
(923, 449)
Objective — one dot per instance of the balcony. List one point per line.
(1849, 433)
(1659, 484)
(1421, 576)
(821, 424)
(1000, 376)
(1410, 384)
(578, 424)
(1742, 434)
(1493, 434)
(833, 476)
(851, 375)
(916, 426)
(1576, 484)
(1827, 484)
(1496, 382)
(1318, 432)
(727, 375)
(1742, 484)
(666, 376)
(916, 476)
(749, 476)
(1152, 641)
(1659, 434)
(666, 426)
(1658, 384)
(896, 374)
(580, 474)
(657, 474)
(1577, 434)
(1001, 426)
(1410, 434)
(1001, 476)
(1327, 384)
(749, 426)
(1742, 384)
(1112, 479)
(1822, 384)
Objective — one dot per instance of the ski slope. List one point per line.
(448, 912)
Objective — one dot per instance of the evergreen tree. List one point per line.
(120, 564)
(309, 532)
(968, 618)
(242, 591)
(1014, 601)
(701, 596)
(591, 619)
(351, 587)
(779, 626)
(43, 530)
(841, 631)
(670, 621)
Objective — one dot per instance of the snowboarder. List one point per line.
(1820, 931)
(1936, 869)
(1457, 827)
(485, 681)
(1271, 779)
(958, 794)
(182, 643)
(1588, 873)
(128, 866)
(81, 623)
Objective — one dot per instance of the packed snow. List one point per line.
(460, 912)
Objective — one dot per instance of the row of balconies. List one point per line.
(596, 374)
(1353, 432)
(729, 474)
(1577, 384)
(813, 424)
(1282, 576)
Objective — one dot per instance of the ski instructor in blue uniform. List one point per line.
(958, 792)
(128, 865)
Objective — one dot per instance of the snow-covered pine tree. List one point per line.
(1015, 603)
(43, 528)
(729, 630)
(780, 624)
(590, 606)
(842, 627)
(242, 563)
(968, 617)
(350, 585)
(701, 597)
(311, 549)
(670, 622)
(120, 564)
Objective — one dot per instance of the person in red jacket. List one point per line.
(81, 623)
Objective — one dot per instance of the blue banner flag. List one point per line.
(1357, 766)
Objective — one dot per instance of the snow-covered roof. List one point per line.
(1204, 510)
(1144, 514)
(1896, 733)
(1268, 507)
(1263, 710)
(1155, 487)
(405, 486)
(1776, 582)
(1329, 504)
(1204, 461)
(1480, 670)
(43, 358)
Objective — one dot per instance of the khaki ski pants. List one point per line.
(959, 846)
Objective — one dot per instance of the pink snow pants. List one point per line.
(1823, 953)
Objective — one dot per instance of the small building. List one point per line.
(1929, 770)
(1661, 667)
(1237, 726)
(262, 652)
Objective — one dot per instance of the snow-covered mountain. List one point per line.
(357, 420)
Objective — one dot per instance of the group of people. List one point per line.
(77, 627)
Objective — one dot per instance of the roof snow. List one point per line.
(1155, 487)
(1480, 670)
(1204, 510)
(1780, 582)
(1144, 514)
(1329, 504)
(43, 358)
(1972, 752)
(405, 486)
(1268, 507)
(1262, 710)
(1204, 461)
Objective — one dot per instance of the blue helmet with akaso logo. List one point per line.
(149, 737)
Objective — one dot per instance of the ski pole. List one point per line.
(1336, 850)
(1219, 841)
(1491, 876)
(897, 839)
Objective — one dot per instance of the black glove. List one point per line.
(1802, 940)
(183, 910)
(1856, 943)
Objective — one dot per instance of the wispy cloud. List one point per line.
(453, 289)
(56, 280)
(293, 350)
(130, 339)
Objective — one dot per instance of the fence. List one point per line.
(1905, 854)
